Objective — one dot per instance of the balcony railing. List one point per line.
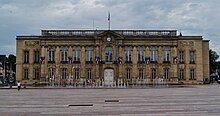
(96, 32)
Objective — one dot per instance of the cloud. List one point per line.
(25, 17)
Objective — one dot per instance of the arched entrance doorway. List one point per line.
(109, 77)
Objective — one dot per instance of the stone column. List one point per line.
(147, 55)
(186, 60)
(57, 60)
(97, 65)
(82, 61)
(160, 61)
(120, 65)
(43, 75)
(70, 54)
(174, 66)
(134, 62)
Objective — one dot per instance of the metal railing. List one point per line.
(96, 32)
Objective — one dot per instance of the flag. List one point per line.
(108, 16)
(120, 60)
(42, 59)
(69, 60)
(97, 59)
(175, 60)
(147, 60)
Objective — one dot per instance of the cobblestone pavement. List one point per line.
(203, 100)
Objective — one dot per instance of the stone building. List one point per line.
(111, 57)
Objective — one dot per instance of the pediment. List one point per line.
(110, 33)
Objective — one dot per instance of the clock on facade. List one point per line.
(109, 38)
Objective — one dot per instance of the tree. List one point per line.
(11, 59)
(213, 65)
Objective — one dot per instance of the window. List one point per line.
(192, 57)
(64, 73)
(153, 73)
(25, 74)
(166, 55)
(166, 73)
(89, 73)
(36, 74)
(108, 54)
(128, 54)
(128, 73)
(51, 56)
(89, 54)
(181, 53)
(181, 74)
(192, 74)
(153, 54)
(36, 56)
(141, 74)
(26, 56)
(51, 70)
(77, 54)
(141, 55)
(76, 73)
(64, 57)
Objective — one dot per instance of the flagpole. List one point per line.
(109, 20)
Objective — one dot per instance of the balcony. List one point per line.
(141, 62)
(154, 62)
(51, 62)
(128, 62)
(76, 62)
(181, 62)
(64, 62)
(166, 62)
(89, 62)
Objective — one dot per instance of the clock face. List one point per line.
(109, 39)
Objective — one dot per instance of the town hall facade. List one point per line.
(111, 57)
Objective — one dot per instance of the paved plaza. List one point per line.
(202, 100)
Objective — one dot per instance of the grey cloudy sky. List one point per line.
(29, 17)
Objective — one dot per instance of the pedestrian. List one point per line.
(19, 85)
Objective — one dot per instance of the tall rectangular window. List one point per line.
(26, 74)
(89, 53)
(89, 73)
(36, 56)
(181, 77)
(51, 72)
(181, 53)
(192, 57)
(141, 74)
(166, 54)
(26, 56)
(153, 55)
(64, 73)
(77, 54)
(76, 73)
(128, 54)
(192, 74)
(51, 55)
(153, 73)
(64, 54)
(36, 74)
(166, 73)
(128, 73)
(108, 54)
(141, 55)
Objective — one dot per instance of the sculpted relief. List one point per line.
(187, 43)
(31, 43)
